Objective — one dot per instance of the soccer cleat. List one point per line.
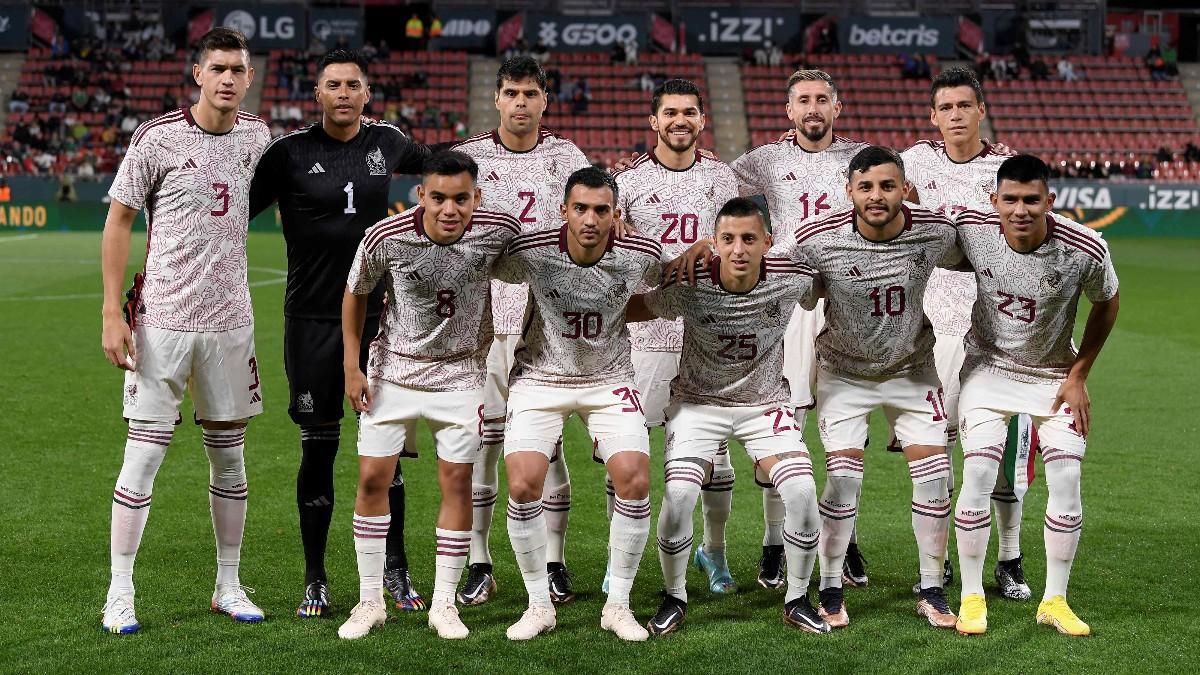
(1055, 612)
(933, 606)
(854, 567)
(399, 585)
(444, 619)
(972, 615)
(479, 586)
(716, 568)
(833, 607)
(620, 620)
(536, 620)
(365, 616)
(669, 616)
(316, 600)
(233, 601)
(560, 583)
(607, 577)
(119, 618)
(770, 567)
(1011, 578)
(800, 613)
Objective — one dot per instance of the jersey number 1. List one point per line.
(349, 190)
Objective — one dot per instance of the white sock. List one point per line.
(930, 514)
(717, 501)
(1064, 517)
(793, 478)
(145, 447)
(627, 535)
(527, 533)
(227, 492)
(484, 484)
(681, 489)
(558, 508)
(370, 546)
(452, 548)
(972, 517)
(838, 507)
(774, 513)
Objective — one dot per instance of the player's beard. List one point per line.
(816, 134)
(880, 221)
(678, 145)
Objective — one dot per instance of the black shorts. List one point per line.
(312, 358)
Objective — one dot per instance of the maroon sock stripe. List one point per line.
(851, 464)
(524, 511)
(224, 493)
(631, 509)
(364, 529)
(1064, 526)
(130, 501)
(803, 543)
(667, 547)
(969, 523)
(454, 547)
(1054, 455)
(931, 511)
(220, 441)
(836, 514)
(689, 474)
(994, 453)
(924, 469)
(162, 438)
(479, 502)
(557, 505)
(786, 472)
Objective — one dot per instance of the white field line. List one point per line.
(96, 296)
(19, 237)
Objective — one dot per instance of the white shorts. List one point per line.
(652, 376)
(800, 353)
(912, 404)
(989, 400)
(612, 414)
(948, 354)
(218, 369)
(499, 364)
(695, 431)
(454, 417)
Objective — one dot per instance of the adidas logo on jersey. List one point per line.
(413, 276)
(708, 319)
(854, 272)
(317, 168)
(189, 164)
(492, 176)
(987, 272)
(790, 176)
(256, 398)
(653, 199)
(553, 294)
(932, 185)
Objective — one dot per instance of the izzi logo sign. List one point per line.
(898, 35)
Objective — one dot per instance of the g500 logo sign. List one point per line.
(585, 34)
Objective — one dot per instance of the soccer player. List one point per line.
(731, 384)
(876, 351)
(957, 173)
(188, 324)
(575, 359)
(428, 362)
(522, 170)
(1030, 267)
(672, 194)
(803, 178)
(331, 180)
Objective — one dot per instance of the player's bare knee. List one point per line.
(915, 452)
(855, 453)
(213, 425)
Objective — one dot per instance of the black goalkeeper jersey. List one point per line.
(329, 193)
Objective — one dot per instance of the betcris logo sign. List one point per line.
(730, 30)
(585, 33)
(898, 35)
(267, 26)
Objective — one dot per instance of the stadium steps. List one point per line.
(10, 75)
(1189, 76)
(481, 108)
(727, 106)
(253, 100)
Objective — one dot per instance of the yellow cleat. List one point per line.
(1055, 612)
(972, 615)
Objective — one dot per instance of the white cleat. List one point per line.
(119, 618)
(536, 620)
(365, 616)
(232, 600)
(445, 621)
(620, 620)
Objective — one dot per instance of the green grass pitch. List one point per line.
(1135, 580)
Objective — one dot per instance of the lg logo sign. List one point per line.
(283, 27)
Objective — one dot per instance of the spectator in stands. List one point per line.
(460, 129)
(19, 102)
(168, 103)
(631, 52)
(1145, 168)
(617, 53)
(431, 119)
(129, 123)
(540, 52)
(646, 83)
(408, 112)
(1191, 153)
(1164, 154)
(580, 97)
(553, 84)
(1039, 70)
(913, 67)
(983, 66)
(1066, 70)
(44, 161)
(1171, 61)
(1157, 65)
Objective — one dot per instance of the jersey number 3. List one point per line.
(222, 190)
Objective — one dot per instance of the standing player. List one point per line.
(731, 384)
(876, 351)
(1030, 267)
(522, 171)
(331, 180)
(428, 362)
(575, 359)
(188, 324)
(803, 178)
(957, 173)
(672, 194)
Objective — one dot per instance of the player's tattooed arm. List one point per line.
(354, 314)
(684, 267)
(116, 339)
(1073, 391)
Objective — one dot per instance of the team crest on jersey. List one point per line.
(131, 394)
(617, 291)
(551, 168)
(376, 164)
(1051, 281)
(304, 402)
(247, 160)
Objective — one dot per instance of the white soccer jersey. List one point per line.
(676, 208)
(799, 185)
(529, 186)
(874, 326)
(195, 188)
(437, 325)
(576, 334)
(948, 186)
(1025, 312)
(733, 342)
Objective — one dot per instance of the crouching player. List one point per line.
(1030, 267)
(428, 362)
(730, 384)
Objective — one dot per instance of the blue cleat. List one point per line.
(714, 565)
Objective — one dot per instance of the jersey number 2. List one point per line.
(349, 190)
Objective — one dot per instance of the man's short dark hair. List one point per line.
(590, 176)
(677, 87)
(450, 163)
(1023, 169)
(521, 68)
(335, 56)
(812, 76)
(221, 39)
(872, 156)
(958, 76)
(741, 207)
